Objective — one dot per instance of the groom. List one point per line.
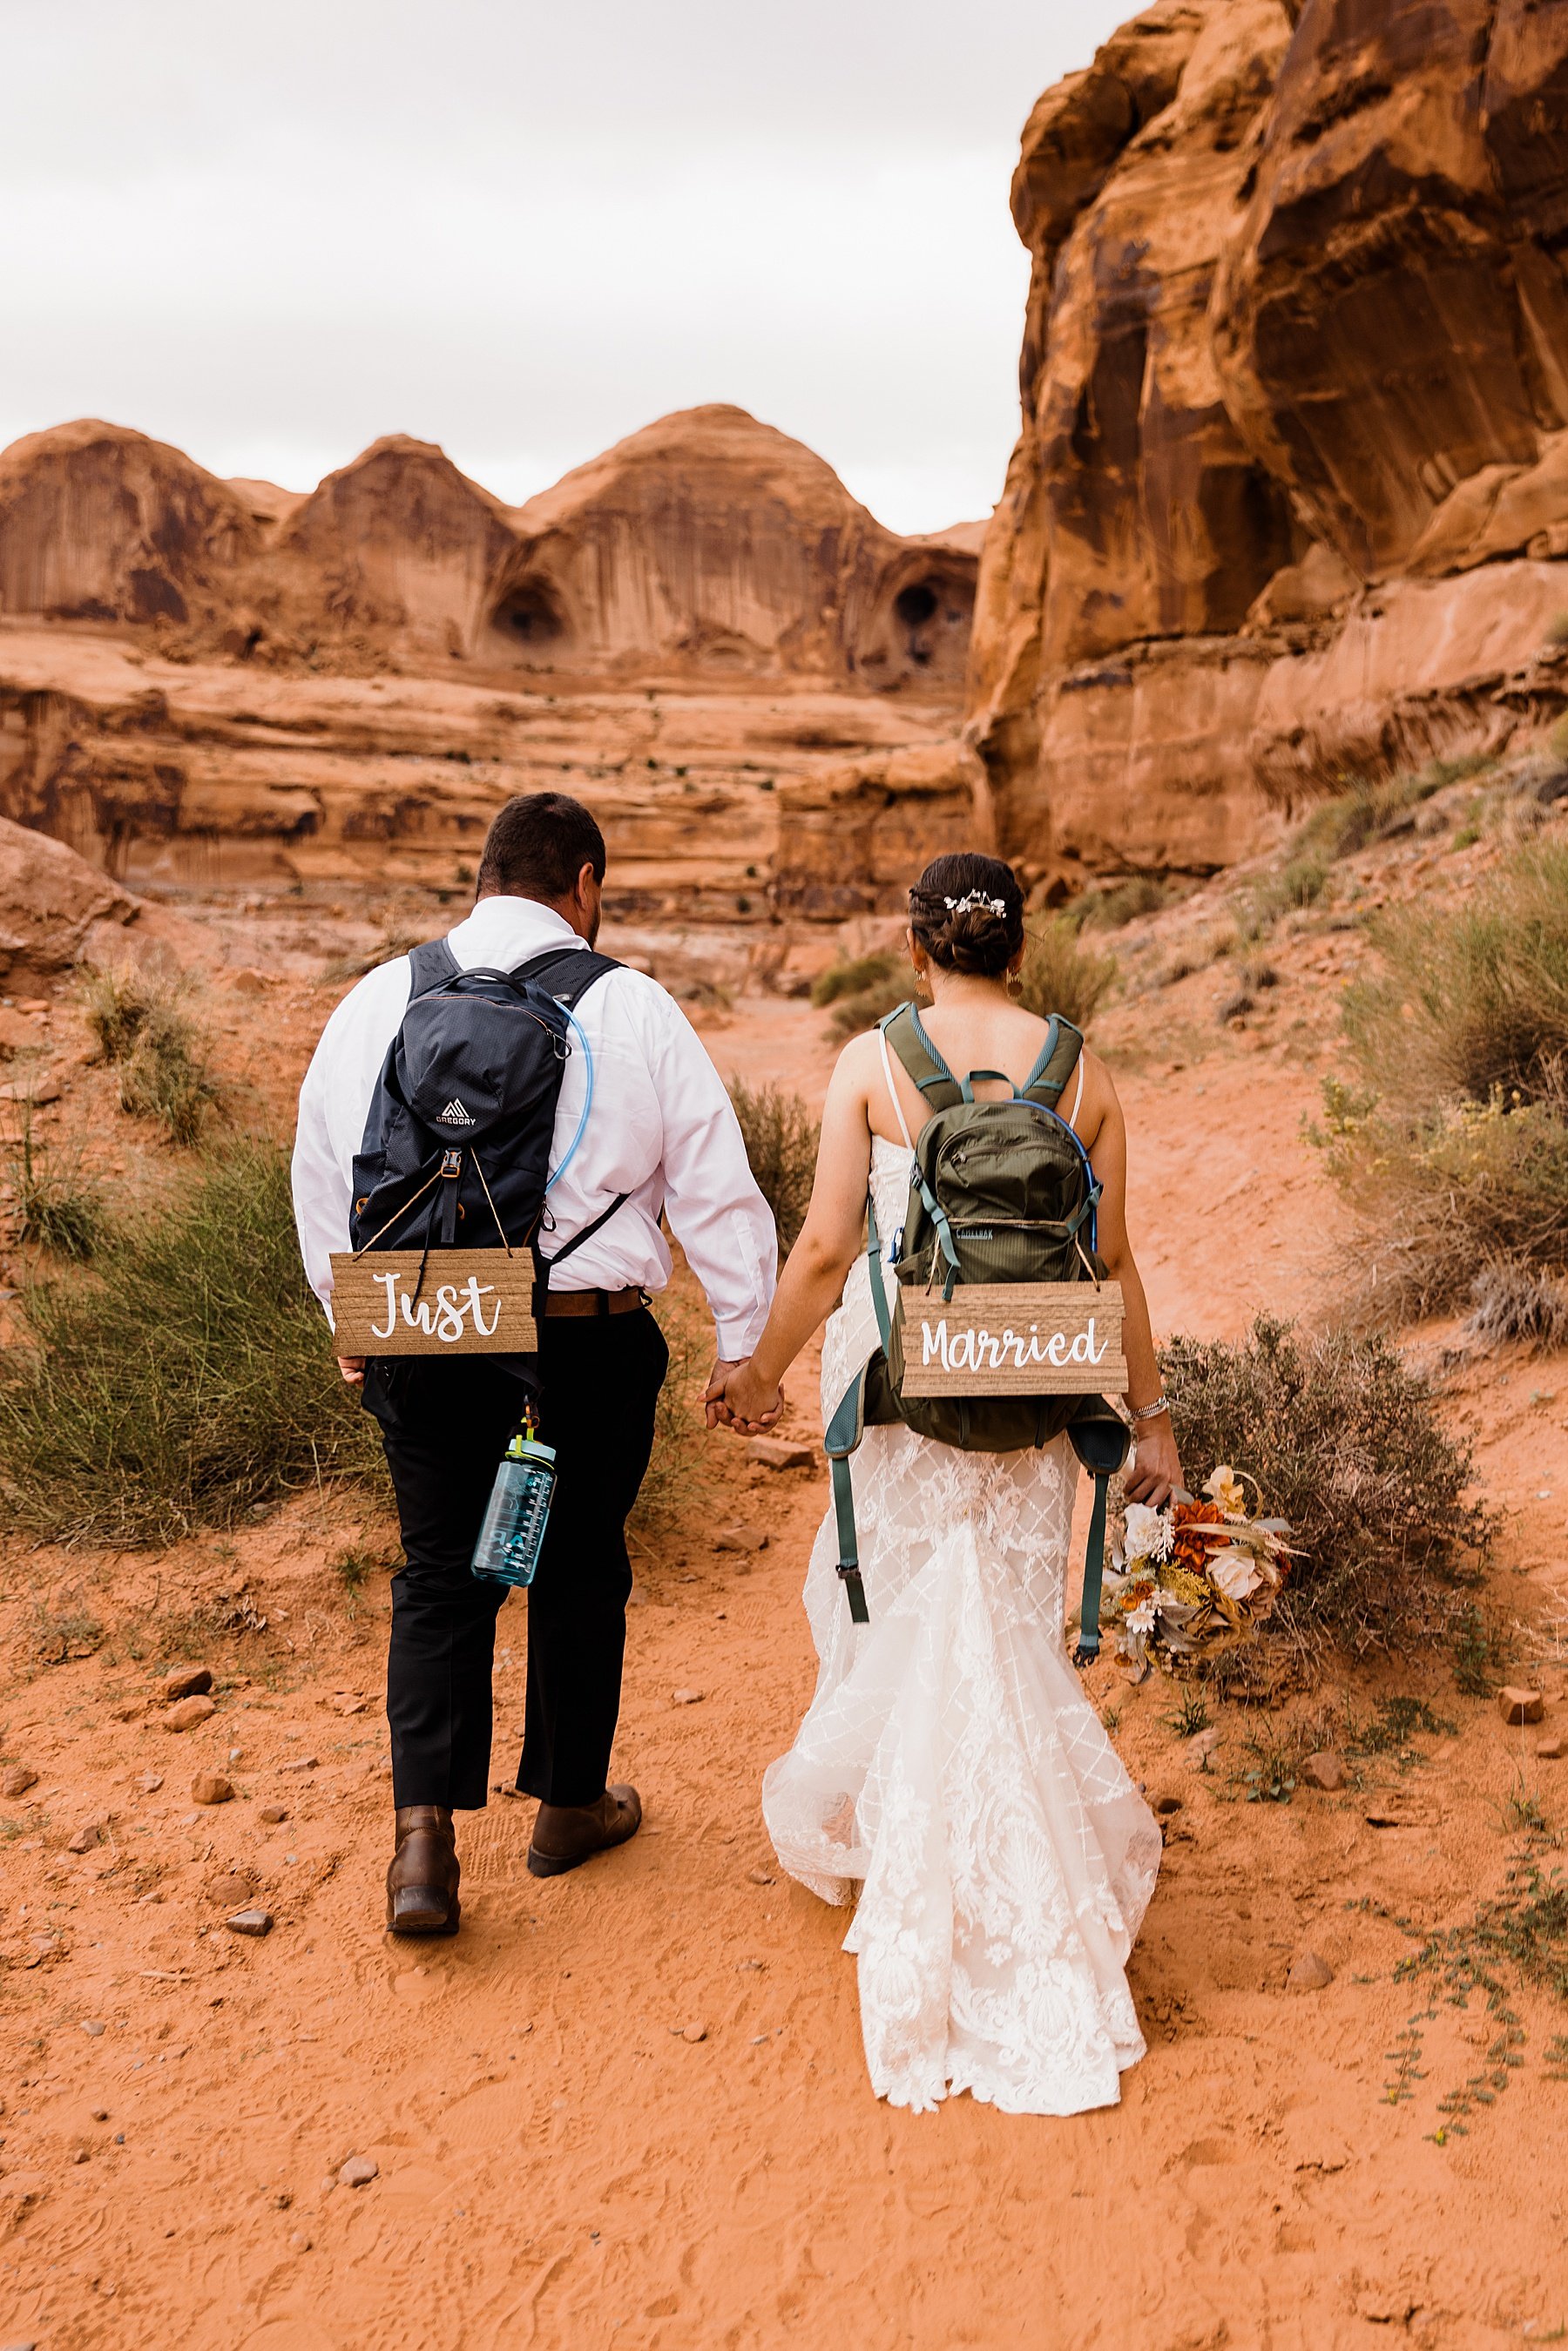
(663, 1132)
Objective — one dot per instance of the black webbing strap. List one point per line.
(429, 965)
(1088, 1647)
(578, 966)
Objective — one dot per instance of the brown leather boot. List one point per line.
(568, 1835)
(422, 1883)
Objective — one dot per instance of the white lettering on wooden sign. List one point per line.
(468, 1302)
(1023, 1338)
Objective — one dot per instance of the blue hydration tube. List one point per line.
(587, 1102)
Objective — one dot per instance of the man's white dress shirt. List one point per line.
(661, 1129)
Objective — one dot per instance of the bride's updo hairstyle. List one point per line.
(967, 911)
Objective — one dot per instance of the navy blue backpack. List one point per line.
(457, 1142)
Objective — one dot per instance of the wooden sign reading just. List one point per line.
(1017, 1338)
(470, 1302)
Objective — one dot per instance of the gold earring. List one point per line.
(1015, 986)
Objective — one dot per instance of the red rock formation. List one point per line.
(97, 523)
(1297, 335)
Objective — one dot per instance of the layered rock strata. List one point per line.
(1293, 481)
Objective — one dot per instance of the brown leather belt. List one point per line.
(594, 1301)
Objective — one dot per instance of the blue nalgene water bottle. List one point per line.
(513, 1534)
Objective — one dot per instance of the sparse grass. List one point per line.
(1345, 1442)
(55, 1208)
(1366, 811)
(187, 1378)
(1113, 909)
(1518, 1302)
(780, 1137)
(144, 1029)
(1191, 1715)
(355, 1566)
(1455, 1143)
(1270, 1777)
(1478, 1650)
(1061, 974)
(1396, 1723)
(1300, 881)
(855, 976)
(1472, 1000)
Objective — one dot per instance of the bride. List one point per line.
(949, 1762)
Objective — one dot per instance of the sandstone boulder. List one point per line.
(50, 901)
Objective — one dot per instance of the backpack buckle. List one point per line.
(451, 1164)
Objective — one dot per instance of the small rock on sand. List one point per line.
(301, 1763)
(358, 2171)
(1517, 1704)
(760, 1877)
(150, 1782)
(1550, 1750)
(17, 1780)
(694, 2032)
(189, 1712)
(87, 1837)
(211, 1788)
(1323, 1771)
(272, 1814)
(187, 1681)
(778, 1453)
(688, 1697)
(741, 1539)
(1310, 1971)
(251, 1922)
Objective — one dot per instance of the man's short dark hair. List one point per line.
(537, 845)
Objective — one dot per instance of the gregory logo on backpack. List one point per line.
(455, 1114)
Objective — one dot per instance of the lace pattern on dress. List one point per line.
(951, 1765)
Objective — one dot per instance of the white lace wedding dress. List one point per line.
(951, 1764)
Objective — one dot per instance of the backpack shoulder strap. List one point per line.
(429, 964)
(1058, 1060)
(905, 1032)
(566, 973)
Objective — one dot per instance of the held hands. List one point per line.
(739, 1399)
(1154, 1470)
(354, 1370)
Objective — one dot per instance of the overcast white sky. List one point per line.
(270, 233)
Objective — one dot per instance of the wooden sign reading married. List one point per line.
(470, 1302)
(1018, 1338)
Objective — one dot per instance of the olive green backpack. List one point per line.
(1000, 1191)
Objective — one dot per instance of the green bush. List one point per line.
(1113, 909)
(1345, 1442)
(55, 1209)
(1454, 1146)
(1473, 1000)
(854, 976)
(781, 1139)
(187, 1378)
(144, 1029)
(1366, 811)
(1061, 974)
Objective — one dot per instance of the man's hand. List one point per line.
(354, 1370)
(739, 1398)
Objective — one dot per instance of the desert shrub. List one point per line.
(188, 1377)
(1061, 974)
(144, 1029)
(1113, 909)
(854, 976)
(1473, 1000)
(678, 1482)
(1367, 812)
(55, 1207)
(1517, 1302)
(1345, 1442)
(780, 1137)
(1300, 881)
(1453, 1193)
(860, 991)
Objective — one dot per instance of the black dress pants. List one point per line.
(444, 1425)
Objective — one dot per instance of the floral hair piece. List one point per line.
(973, 900)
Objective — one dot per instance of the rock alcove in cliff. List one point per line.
(528, 624)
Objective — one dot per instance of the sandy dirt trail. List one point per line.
(629, 2107)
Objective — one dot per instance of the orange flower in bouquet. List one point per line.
(1196, 1576)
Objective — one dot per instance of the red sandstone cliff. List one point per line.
(1292, 484)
